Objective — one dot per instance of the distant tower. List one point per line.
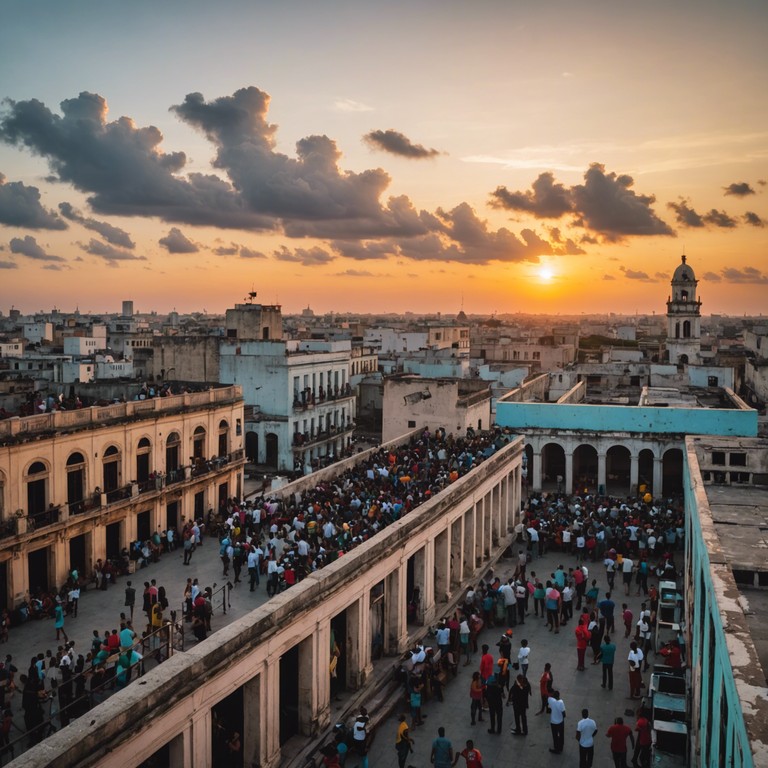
(127, 309)
(684, 318)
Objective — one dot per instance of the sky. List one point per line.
(542, 156)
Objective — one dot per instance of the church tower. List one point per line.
(684, 318)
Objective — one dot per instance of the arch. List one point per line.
(223, 424)
(113, 450)
(585, 468)
(75, 458)
(198, 443)
(618, 462)
(677, 329)
(645, 461)
(686, 329)
(552, 466)
(672, 472)
(76, 483)
(172, 444)
(37, 468)
(173, 438)
(143, 463)
(111, 470)
(252, 447)
(223, 448)
(144, 443)
(682, 360)
(37, 487)
(272, 449)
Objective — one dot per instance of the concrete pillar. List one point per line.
(442, 555)
(396, 611)
(314, 680)
(457, 551)
(251, 721)
(201, 752)
(536, 474)
(359, 664)
(601, 471)
(180, 749)
(478, 519)
(468, 537)
(98, 542)
(634, 464)
(658, 465)
(19, 576)
(427, 606)
(60, 559)
(420, 558)
(568, 470)
(496, 513)
(269, 712)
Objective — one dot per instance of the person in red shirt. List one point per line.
(671, 653)
(546, 682)
(618, 734)
(642, 753)
(486, 664)
(583, 636)
(472, 755)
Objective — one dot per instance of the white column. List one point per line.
(601, 471)
(201, 739)
(442, 555)
(633, 473)
(359, 664)
(251, 721)
(269, 713)
(396, 610)
(536, 482)
(568, 470)
(657, 476)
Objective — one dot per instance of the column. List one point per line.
(427, 604)
(535, 471)
(201, 739)
(19, 576)
(60, 557)
(180, 749)
(359, 664)
(98, 539)
(251, 721)
(633, 473)
(457, 550)
(396, 611)
(568, 470)
(314, 680)
(468, 537)
(601, 472)
(478, 520)
(442, 555)
(269, 712)
(658, 465)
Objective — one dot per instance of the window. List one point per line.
(223, 438)
(198, 443)
(111, 467)
(718, 457)
(411, 425)
(37, 488)
(537, 355)
(712, 381)
(143, 457)
(172, 452)
(737, 459)
(76, 483)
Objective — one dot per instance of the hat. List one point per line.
(509, 633)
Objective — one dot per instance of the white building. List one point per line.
(684, 318)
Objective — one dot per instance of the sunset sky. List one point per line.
(500, 155)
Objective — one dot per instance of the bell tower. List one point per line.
(684, 318)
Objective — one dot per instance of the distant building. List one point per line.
(684, 318)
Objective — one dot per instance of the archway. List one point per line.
(76, 483)
(645, 472)
(553, 467)
(252, 447)
(617, 470)
(585, 469)
(272, 449)
(672, 472)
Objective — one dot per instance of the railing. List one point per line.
(303, 439)
(8, 528)
(308, 398)
(43, 519)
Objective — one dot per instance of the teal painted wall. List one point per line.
(622, 418)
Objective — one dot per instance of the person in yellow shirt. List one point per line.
(403, 741)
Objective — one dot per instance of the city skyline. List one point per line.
(504, 157)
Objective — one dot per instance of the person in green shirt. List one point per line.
(608, 654)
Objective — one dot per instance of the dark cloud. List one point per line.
(55, 267)
(762, 182)
(8, 265)
(109, 253)
(227, 250)
(711, 277)
(397, 143)
(546, 199)
(177, 242)
(685, 215)
(249, 253)
(364, 250)
(28, 246)
(632, 274)
(354, 273)
(739, 189)
(608, 277)
(744, 275)
(605, 204)
(751, 218)
(661, 275)
(20, 207)
(719, 219)
(121, 166)
(308, 257)
(110, 233)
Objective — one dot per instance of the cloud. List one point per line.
(661, 275)
(739, 189)
(608, 277)
(350, 105)
(248, 253)
(234, 249)
(110, 233)
(28, 246)
(604, 204)
(711, 277)
(364, 250)
(227, 250)
(8, 265)
(744, 275)
(688, 217)
(55, 267)
(308, 257)
(177, 242)
(20, 207)
(122, 166)
(398, 143)
(354, 273)
(109, 253)
(632, 274)
(751, 218)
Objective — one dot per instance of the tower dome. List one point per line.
(684, 317)
(683, 273)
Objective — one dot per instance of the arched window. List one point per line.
(76, 483)
(112, 469)
(687, 329)
(37, 488)
(684, 295)
(223, 438)
(143, 461)
(677, 330)
(172, 445)
(198, 443)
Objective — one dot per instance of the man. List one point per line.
(607, 655)
(442, 750)
(473, 757)
(557, 721)
(403, 741)
(586, 729)
(254, 563)
(635, 660)
(443, 637)
(607, 609)
(642, 752)
(626, 573)
(521, 596)
(486, 664)
(495, 699)
(507, 591)
(519, 695)
(130, 597)
(618, 734)
(360, 736)
(583, 636)
(523, 657)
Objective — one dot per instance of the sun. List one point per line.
(546, 273)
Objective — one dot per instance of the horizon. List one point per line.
(508, 158)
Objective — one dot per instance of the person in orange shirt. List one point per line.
(583, 636)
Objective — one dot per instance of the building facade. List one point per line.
(80, 485)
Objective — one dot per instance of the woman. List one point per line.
(546, 684)
(476, 689)
(596, 639)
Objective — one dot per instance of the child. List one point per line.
(627, 617)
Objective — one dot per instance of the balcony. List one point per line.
(308, 398)
(302, 440)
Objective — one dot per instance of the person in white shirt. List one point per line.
(586, 729)
(635, 659)
(626, 573)
(523, 657)
(557, 721)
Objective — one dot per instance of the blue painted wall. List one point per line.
(622, 418)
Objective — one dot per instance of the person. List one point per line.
(74, 599)
(519, 695)
(442, 750)
(586, 729)
(607, 609)
(403, 741)
(626, 616)
(618, 733)
(59, 622)
(556, 721)
(671, 654)
(130, 597)
(486, 664)
(607, 656)
(417, 686)
(523, 657)
(583, 636)
(471, 755)
(546, 683)
(360, 736)
(635, 660)
(234, 748)
(464, 640)
(642, 751)
(476, 691)
(495, 700)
